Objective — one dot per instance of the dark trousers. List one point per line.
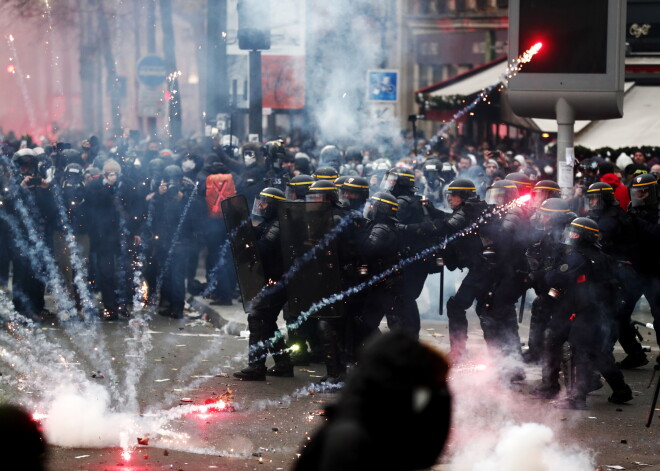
(647, 285)
(406, 314)
(173, 274)
(262, 323)
(27, 288)
(113, 276)
(472, 288)
(378, 303)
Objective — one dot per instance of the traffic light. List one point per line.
(254, 24)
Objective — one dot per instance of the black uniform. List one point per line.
(464, 252)
(583, 316)
(618, 240)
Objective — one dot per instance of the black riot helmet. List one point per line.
(339, 182)
(172, 176)
(543, 190)
(501, 192)
(322, 190)
(554, 212)
(398, 180)
(581, 231)
(265, 204)
(298, 187)
(381, 207)
(522, 181)
(644, 190)
(462, 187)
(354, 192)
(600, 195)
(74, 175)
(325, 173)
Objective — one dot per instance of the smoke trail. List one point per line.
(485, 218)
(512, 69)
(298, 263)
(21, 83)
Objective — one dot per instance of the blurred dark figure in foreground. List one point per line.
(22, 446)
(393, 413)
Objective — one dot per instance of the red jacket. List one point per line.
(620, 190)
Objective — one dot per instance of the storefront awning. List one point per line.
(470, 82)
(640, 125)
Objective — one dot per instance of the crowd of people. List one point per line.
(112, 216)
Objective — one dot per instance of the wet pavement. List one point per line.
(192, 361)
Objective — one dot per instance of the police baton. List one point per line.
(649, 418)
(522, 307)
(441, 303)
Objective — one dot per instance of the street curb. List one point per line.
(228, 326)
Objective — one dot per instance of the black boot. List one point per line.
(283, 365)
(252, 373)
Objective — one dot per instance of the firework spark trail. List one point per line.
(36, 360)
(498, 211)
(512, 70)
(77, 263)
(298, 263)
(45, 259)
(175, 239)
(22, 83)
(54, 58)
(88, 304)
(140, 342)
(82, 335)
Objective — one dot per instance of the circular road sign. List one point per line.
(151, 70)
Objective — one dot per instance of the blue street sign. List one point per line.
(382, 85)
(151, 71)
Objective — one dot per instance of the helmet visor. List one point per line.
(314, 197)
(290, 193)
(261, 208)
(389, 182)
(571, 236)
(638, 196)
(368, 212)
(496, 196)
(595, 202)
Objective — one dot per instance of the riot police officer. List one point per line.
(400, 182)
(462, 252)
(353, 192)
(380, 247)
(262, 314)
(298, 187)
(325, 173)
(547, 225)
(617, 239)
(583, 297)
(645, 212)
(505, 265)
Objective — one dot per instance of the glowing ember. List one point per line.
(11, 69)
(126, 455)
(144, 292)
(37, 416)
(524, 199)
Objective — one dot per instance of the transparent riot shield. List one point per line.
(316, 275)
(243, 242)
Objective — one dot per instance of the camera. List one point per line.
(34, 181)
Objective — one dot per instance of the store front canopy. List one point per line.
(640, 125)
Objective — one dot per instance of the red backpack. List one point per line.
(219, 187)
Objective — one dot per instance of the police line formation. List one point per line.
(338, 247)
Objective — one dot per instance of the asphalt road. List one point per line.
(191, 362)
